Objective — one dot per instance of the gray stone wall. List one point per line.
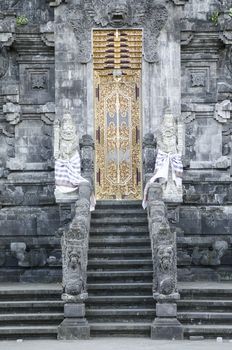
(206, 110)
(29, 218)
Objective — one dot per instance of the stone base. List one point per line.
(70, 197)
(166, 329)
(171, 193)
(73, 328)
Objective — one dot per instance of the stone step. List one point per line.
(32, 317)
(31, 306)
(205, 317)
(134, 301)
(204, 305)
(119, 251)
(113, 204)
(208, 331)
(127, 230)
(125, 221)
(119, 235)
(120, 275)
(108, 329)
(119, 241)
(120, 311)
(16, 332)
(31, 293)
(206, 293)
(119, 287)
(118, 212)
(102, 264)
(120, 315)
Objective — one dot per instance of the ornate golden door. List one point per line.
(117, 58)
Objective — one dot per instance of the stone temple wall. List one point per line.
(206, 64)
(29, 217)
(35, 86)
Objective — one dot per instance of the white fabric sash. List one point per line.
(163, 160)
(68, 176)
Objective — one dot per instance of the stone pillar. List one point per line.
(87, 157)
(74, 244)
(149, 144)
(163, 243)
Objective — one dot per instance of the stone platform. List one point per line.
(35, 311)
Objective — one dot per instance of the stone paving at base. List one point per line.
(115, 344)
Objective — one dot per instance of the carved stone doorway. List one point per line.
(117, 57)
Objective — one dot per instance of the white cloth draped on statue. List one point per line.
(163, 161)
(68, 176)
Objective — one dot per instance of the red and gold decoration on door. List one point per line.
(117, 57)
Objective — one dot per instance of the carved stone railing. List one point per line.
(75, 221)
(163, 244)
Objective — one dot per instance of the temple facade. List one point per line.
(97, 97)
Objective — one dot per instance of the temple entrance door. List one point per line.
(117, 56)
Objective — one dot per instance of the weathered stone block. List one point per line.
(166, 329)
(190, 220)
(73, 329)
(166, 310)
(74, 310)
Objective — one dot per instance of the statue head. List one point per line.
(168, 125)
(117, 12)
(165, 256)
(79, 227)
(67, 127)
(74, 257)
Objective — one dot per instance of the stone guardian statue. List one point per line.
(168, 167)
(67, 159)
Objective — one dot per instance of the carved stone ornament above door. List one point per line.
(151, 15)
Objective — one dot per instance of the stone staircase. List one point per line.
(120, 288)
(30, 311)
(120, 271)
(205, 309)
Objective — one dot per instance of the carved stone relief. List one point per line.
(149, 144)
(165, 256)
(36, 83)
(163, 247)
(223, 111)
(198, 78)
(224, 84)
(210, 257)
(36, 257)
(57, 2)
(12, 112)
(74, 251)
(7, 147)
(107, 13)
(4, 61)
(47, 34)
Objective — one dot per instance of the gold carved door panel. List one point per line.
(117, 81)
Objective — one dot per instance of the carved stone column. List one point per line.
(74, 244)
(163, 243)
(149, 144)
(87, 157)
